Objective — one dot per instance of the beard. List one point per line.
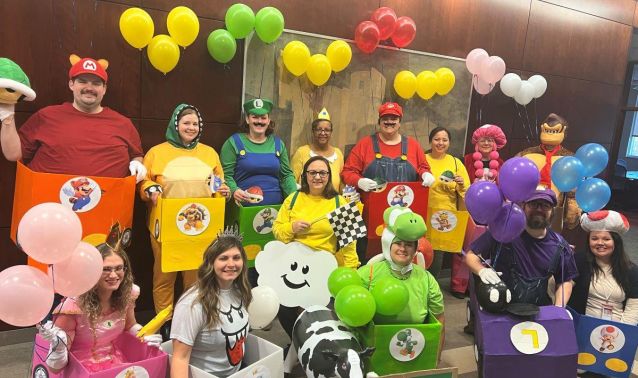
(537, 222)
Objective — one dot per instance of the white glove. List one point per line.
(6, 110)
(366, 184)
(489, 276)
(154, 340)
(137, 169)
(58, 355)
(428, 179)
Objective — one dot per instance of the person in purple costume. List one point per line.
(526, 263)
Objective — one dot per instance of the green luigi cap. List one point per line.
(258, 106)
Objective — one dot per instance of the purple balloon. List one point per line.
(518, 178)
(508, 224)
(482, 199)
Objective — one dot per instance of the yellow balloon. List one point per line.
(137, 27)
(339, 54)
(296, 57)
(445, 80)
(163, 53)
(426, 84)
(405, 84)
(183, 25)
(319, 69)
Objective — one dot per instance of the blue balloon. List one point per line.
(594, 158)
(593, 194)
(567, 173)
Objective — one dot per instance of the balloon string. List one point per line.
(529, 123)
(507, 219)
(535, 119)
(525, 128)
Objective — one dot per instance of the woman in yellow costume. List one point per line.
(320, 146)
(181, 167)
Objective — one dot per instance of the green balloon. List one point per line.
(269, 24)
(342, 277)
(390, 295)
(221, 45)
(240, 20)
(355, 306)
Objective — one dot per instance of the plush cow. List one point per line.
(325, 346)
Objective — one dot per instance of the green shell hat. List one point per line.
(14, 83)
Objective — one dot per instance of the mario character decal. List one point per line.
(263, 221)
(607, 338)
(296, 272)
(234, 327)
(400, 195)
(81, 194)
(133, 372)
(443, 220)
(193, 219)
(407, 344)
(14, 83)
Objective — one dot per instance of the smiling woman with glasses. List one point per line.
(302, 218)
(320, 146)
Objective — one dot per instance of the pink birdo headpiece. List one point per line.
(490, 131)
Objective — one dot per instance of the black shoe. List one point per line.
(458, 295)
(165, 331)
(469, 328)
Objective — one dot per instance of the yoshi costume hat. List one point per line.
(258, 106)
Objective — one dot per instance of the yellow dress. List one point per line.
(443, 194)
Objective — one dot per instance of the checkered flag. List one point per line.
(347, 224)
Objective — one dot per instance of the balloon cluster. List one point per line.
(50, 233)
(318, 67)
(137, 28)
(356, 306)
(487, 70)
(384, 24)
(240, 22)
(425, 84)
(523, 91)
(575, 172)
(518, 179)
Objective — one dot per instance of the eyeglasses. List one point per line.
(322, 174)
(540, 205)
(110, 269)
(323, 131)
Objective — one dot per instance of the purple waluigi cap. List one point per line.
(543, 194)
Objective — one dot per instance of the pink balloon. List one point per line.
(492, 69)
(26, 295)
(386, 19)
(475, 59)
(78, 274)
(405, 31)
(49, 232)
(481, 86)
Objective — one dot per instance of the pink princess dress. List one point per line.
(95, 347)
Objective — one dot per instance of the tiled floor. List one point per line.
(458, 351)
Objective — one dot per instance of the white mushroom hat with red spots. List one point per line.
(604, 220)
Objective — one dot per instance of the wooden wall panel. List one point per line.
(636, 17)
(454, 27)
(565, 42)
(616, 10)
(329, 17)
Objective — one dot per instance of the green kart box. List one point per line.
(255, 223)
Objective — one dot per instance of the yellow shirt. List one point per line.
(443, 194)
(320, 234)
(180, 172)
(304, 153)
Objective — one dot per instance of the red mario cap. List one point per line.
(81, 66)
(390, 108)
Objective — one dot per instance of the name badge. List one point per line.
(606, 312)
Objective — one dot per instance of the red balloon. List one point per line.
(386, 20)
(425, 247)
(405, 31)
(366, 36)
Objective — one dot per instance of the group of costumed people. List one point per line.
(600, 281)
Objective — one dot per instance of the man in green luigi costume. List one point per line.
(256, 157)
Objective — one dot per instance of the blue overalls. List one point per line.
(259, 169)
(391, 170)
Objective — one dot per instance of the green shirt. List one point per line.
(229, 161)
(425, 294)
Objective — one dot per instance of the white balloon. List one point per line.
(525, 93)
(510, 84)
(263, 308)
(540, 85)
